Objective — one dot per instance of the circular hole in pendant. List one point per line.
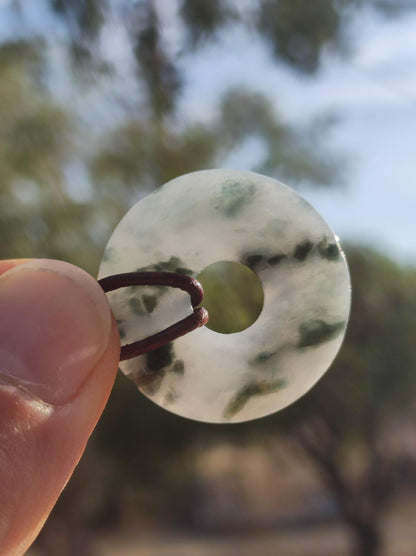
(233, 296)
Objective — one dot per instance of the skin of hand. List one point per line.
(59, 352)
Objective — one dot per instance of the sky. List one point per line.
(373, 92)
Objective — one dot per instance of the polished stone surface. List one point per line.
(226, 215)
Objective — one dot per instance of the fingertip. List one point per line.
(59, 353)
(11, 263)
(57, 327)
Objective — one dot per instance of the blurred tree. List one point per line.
(136, 149)
(43, 145)
(84, 20)
(348, 421)
(46, 149)
(36, 215)
(46, 213)
(42, 213)
(299, 30)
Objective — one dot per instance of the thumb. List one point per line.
(59, 350)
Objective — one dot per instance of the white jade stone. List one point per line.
(226, 215)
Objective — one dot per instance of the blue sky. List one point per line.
(373, 91)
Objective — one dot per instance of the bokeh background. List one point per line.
(101, 102)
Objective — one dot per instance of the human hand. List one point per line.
(59, 351)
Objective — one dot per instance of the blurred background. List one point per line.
(101, 102)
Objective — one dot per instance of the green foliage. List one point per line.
(141, 149)
(371, 386)
(394, 8)
(84, 21)
(38, 217)
(138, 154)
(87, 15)
(40, 140)
(204, 19)
(299, 30)
(287, 150)
(377, 364)
(160, 74)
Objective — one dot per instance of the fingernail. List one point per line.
(55, 325)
